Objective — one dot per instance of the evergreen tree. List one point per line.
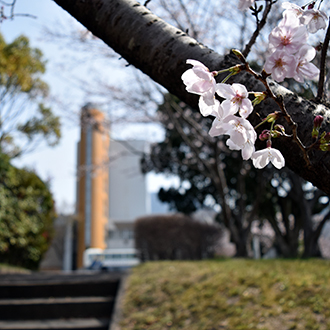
(26, 216)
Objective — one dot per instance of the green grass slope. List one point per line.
(228, 294)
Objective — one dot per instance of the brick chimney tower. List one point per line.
(93, 182)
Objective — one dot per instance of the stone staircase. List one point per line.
(77, 301)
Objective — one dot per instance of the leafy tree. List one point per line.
(21, 90)
(26, 216)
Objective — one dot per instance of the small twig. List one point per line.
(260, 25)
(320, 91)
(320, 4)
(190, 21)
(145, 4)
(22, 15)
(8, 3)
(12, 9)
(204, 136)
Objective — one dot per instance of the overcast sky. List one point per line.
(56, 164)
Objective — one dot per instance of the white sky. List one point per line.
(59, 163)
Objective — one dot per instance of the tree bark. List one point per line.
(161, 50)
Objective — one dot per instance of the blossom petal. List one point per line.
(241, 90)
(229, 107)
(246, 108)
(260, 158)
(277, 158)
(224, 90)
(248, 150)
(232, 145)
(310, 71)
(196, 63)
(307, 53)
(216, 128)
(210, 107)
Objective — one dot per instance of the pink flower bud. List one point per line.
(318, 47)
(273, 116)
(311, 5)
(239, 54)
(264, 135)
(318, 121)
(317, 124)
(259, 97)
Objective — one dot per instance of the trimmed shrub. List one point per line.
(175, 237)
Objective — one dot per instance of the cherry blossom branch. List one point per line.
(279, 101)
(290, 58)
(260, 25)
(320, 92)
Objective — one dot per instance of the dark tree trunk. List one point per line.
(241, 243)
(241, 250)
(304, 213)
(311, 246)
(311, 240)
(287, 248)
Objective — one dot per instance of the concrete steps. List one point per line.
(57, 301)
(73, 324)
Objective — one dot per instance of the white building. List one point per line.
(128, 196)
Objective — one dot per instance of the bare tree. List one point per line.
(160, 51)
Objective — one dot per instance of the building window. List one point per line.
(127, 234)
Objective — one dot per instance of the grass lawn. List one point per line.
(233, 294)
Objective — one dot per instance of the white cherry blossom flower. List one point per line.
(261, 158)
(245, 4)
(239, 129)
(281, 65)
(305, 69)
(314, 19)
(199, 80)
(292, 13)
(236, 96)
(288, 37)
(247, 149)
